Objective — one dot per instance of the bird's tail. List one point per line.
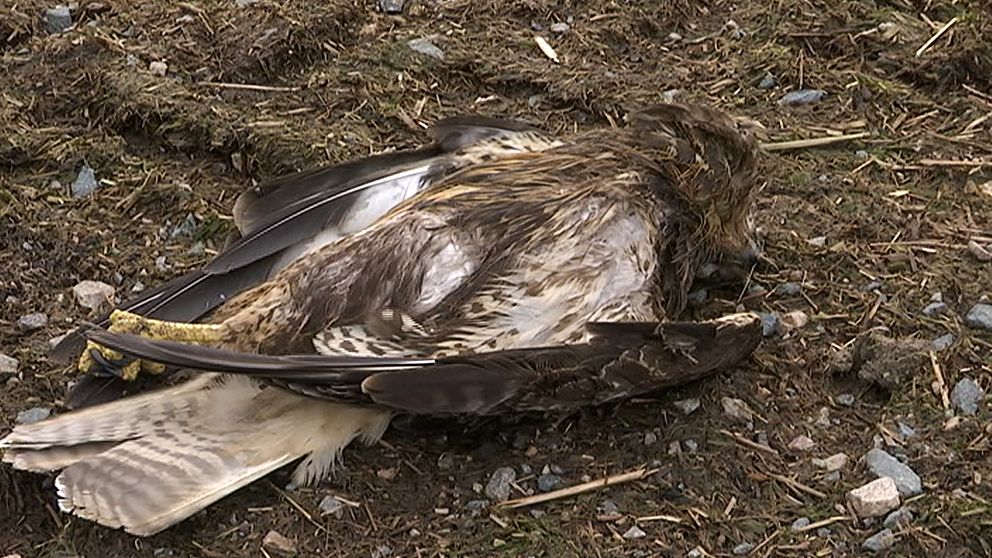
(147, 462)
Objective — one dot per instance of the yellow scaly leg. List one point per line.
(127, 322)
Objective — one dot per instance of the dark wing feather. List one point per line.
(622, 360)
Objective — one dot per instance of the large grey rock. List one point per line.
(498, 487)
(967, 395)
(882, 464)
(980, 316)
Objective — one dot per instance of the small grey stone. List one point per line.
(802, 442)
(274, 541)
(8, 364)
(85, 182)
(93, 294)
(823, 532)
(687, 406)
(498, 487)
(669, 95)
(549, 482)
(966, 396)
(158, 68)
(32, 415)
(934, 309)
(872, 286)
(186, 228)
(736, 409)
(476, 506)
(58, 19)
(162, 264)
(879, 541)
(905, 430)
(767, 82)
(560, 28)
(980, 316)
(902, 517)
(445, 462)
(608, 507)
(800, 523)
(818, 241)
(691, 445)
(845, 399)
(882, 464)
(943, 342)
(32, 321)
(535, 101)
(634, 532)
(526, 469)
(788, 289)
(861, 155)
(391, 6)
(556, 469)
(743, 548)
(674, 37)
(832, 476)
(330, 505)
(650, 438)
(876, 498)
(382, 551)
(163, 552)
(769, 323)
(802, 97)
(536, 26)
(426, 47)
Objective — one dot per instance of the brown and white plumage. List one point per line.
(522, 279)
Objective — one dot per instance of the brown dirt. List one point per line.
(171, 146)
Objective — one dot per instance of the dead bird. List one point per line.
(535, 279)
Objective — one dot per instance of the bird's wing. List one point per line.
(284, 218)
(621, 360)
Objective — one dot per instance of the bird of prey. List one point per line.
(532, 273)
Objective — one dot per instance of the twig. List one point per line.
(578, 488)
(822, 523)
(798, 485)
(668, 518)
(933, 39)
(952, 163)
(248, 86)
(753, 445)
(546, 49)
(941, 385)
(812, 142)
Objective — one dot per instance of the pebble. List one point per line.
(769, 323)
(36, 414)
(767, 82)
(687, 406)
(818, 241)
(905, 430)
(549, 482)
(158, 68)
(875, 498)
(85, 182)
(186, 228)
(650, 438)
(276, 542)
(979, 252)
(93, 294)
(445, 462)
(796, 319)
(8, 364)
(802, 443)
(560, 28)
(498, 487)
(902, 517)
(800, 523)
(426, 47)
(966, 396)
(980, 316)
(382, 551)
(934, 309)
(943, 342)
(634, 532)
(743, 548)
(882, 464)
(691, 445)
(861, 155)
(845, 399)
(32, 321)
(788, 289)
(736, 409)
(391, 6)
(58, 19)
(331, 505)
(802, 97)
(879, 541)
(475, 507)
